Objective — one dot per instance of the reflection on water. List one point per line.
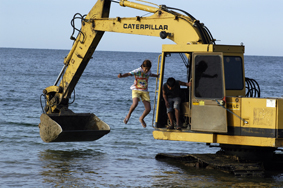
(89, 168)
(68, 167)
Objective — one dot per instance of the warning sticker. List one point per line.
(201, 103)
(270, 103)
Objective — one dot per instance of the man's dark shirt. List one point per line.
(175, 92)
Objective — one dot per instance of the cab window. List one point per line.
(208, 82)
(233, 72)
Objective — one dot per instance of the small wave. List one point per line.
(19, 123)
(74, 153)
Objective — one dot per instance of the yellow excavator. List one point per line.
(225, 109)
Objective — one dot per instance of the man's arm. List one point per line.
(165, 97)
(185, 84)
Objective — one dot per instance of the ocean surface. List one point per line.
(123, 158)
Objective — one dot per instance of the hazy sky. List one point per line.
(45, 24)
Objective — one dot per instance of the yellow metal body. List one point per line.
(263, 127)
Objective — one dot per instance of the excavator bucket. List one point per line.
(71, 127)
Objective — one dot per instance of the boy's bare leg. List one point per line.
(146, 111)
(132, 108)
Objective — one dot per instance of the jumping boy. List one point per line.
(140, 89)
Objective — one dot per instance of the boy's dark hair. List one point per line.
(171, 82)
(146, 63)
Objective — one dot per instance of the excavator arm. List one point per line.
(165, 23)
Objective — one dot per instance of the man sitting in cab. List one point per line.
(172, 96)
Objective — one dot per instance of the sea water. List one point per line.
(123, 158)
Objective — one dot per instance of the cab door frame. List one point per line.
(208, 112)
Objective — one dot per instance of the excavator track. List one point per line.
(225, 163)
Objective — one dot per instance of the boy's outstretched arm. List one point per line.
(124, 75)
(154, 75)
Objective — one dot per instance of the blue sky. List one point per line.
(45, 24)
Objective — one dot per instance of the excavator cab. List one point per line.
(203, 105)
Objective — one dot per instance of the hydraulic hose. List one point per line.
(202, 32)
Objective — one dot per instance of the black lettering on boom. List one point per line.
(145, 26)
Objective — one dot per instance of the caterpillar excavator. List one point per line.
(225, 109)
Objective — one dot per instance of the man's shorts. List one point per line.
(174, 102)
(144, 95)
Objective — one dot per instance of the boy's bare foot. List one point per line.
(126, 120)
(143, 123)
